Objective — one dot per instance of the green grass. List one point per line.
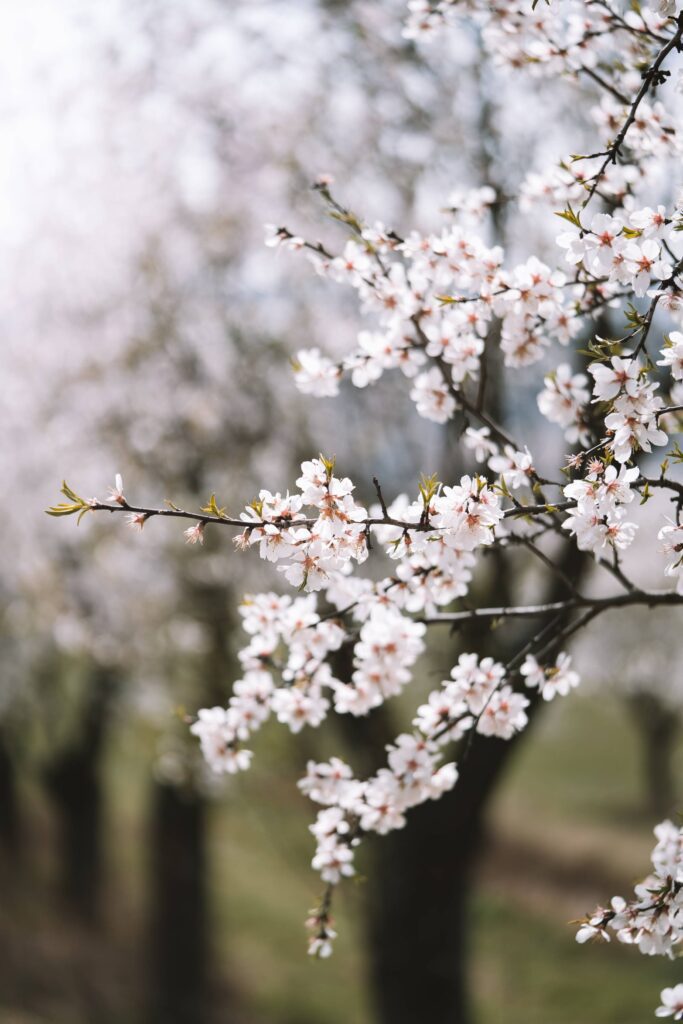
(263, 886)
(529, 970)
(577, 782)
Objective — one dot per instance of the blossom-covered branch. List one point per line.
(436, 304)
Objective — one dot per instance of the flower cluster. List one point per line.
(434, 298)
(550, 39)
(310, 551)
(597, 521)
(475, 696)
(653, 919)
(388, 646)
(378, 804)
(609, 249)
(632, 422)
(562, 402)
(271, 623)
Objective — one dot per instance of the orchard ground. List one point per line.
(567, 827)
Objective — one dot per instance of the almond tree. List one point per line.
(436, 303)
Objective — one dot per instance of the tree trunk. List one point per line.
(658, 727)
(179, 940)
(9, 802)
(181, 976)
(421, 877)
(419, 893)
(74, 786)
(418, 920)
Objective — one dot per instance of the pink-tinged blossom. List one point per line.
(474, 681)
(667, 856)
(533, 288)
(652, 223)
(296, 707)
(469, 512)
(672, 1003)
(388, 646)
(552, 681)
(375, 355)
(353, 266)
(598, 519)
(652, 919)
(308, 568)
(599, 249)
(262, 612)
(314, 480)
(479, 443)
(383, 805)
(446, 713)
(333, 860)
(250, 702)
(116, 492)
(315, 374)
(432, 397)
(410, 758)
(195, 534)
(634, 424)
(515, 468)
(562, 400)
(217, 737)
(621, 375)
(671, 537)
(645, 261)
(616, 488)
(472, 202)
(321, 945)
(672, 355)
(327, 782)
(504, 714)
(595, 928)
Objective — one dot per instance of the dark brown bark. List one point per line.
(74, 786)
(181, 977)
(179, 932)
(10, 830)
(419, 899)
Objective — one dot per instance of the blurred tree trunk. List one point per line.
(658, 727)
(180, 946)
(420, 895)
(10, 833)
(74, 786)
